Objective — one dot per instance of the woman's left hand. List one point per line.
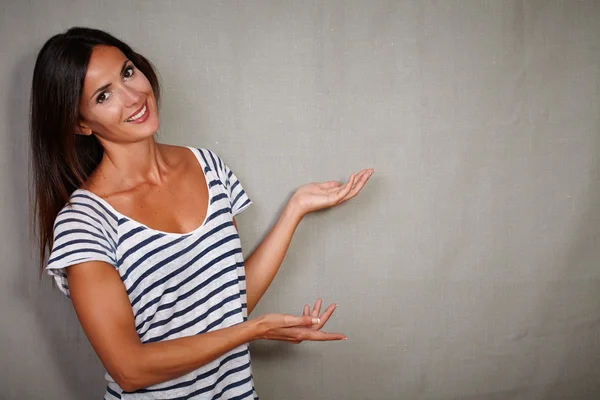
(317, 196)
(298, 334)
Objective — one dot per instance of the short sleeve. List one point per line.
(79, 236)
(238, 197)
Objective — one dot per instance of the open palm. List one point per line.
(319, 195)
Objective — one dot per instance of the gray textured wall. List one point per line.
(469, 269)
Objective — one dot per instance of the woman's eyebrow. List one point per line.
(103, 88)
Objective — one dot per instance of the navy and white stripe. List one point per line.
(178, 284)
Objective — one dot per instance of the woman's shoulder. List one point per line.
(84, 207)
(183, 149)
(182, 154)
(206, 157)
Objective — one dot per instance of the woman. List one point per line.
(141, 235)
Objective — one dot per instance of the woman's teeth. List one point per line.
(138, 115)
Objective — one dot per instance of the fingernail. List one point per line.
(316, 321)
(345, 338)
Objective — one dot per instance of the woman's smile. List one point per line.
(140, 115)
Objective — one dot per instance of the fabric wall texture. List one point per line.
(469, 268)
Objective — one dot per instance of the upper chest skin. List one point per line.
(178, 205)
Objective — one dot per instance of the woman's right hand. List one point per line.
(296, 329)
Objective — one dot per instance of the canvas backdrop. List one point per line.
(468, 268)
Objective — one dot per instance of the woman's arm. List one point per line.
(103, 308)
(262, 265)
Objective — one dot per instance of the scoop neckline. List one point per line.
(196, 153)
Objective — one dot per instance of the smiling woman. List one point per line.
(118, 101)
(141, 235)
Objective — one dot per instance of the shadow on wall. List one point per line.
(74, 359)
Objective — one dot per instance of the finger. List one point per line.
(304, 320)
(317, 308)
(363, 177)
(306, 310)
(358, 178)
(344, 189)
(299, 334)
(325, 316)
(360, 183)
(320, 336)
(335, 186)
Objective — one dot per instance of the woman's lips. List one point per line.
(140, 115)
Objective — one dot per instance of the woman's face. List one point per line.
(118, 103)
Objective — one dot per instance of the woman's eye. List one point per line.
(102, 97)
(128, 73)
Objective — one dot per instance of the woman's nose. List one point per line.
(131, 97)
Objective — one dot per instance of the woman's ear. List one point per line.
(82, 129)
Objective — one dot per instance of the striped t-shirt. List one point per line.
(178, 284)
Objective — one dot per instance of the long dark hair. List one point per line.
(61, 159)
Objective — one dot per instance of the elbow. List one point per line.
(127, 381)
(124, 381)
(128, 377)
(129, 369)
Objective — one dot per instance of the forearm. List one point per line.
(158, 362)
(262, 265)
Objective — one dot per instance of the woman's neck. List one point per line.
(125, 166)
